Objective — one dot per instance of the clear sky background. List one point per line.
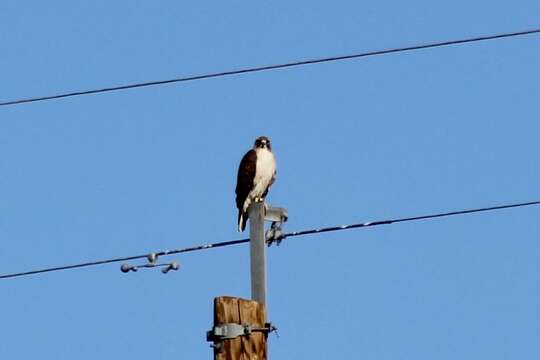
(151, 169)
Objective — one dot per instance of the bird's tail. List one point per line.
(242, 220)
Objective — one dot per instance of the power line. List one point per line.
(284, 236)
(272, 67)
(407, 219)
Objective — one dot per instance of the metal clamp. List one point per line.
(152, 262)
(230, 331)
(274, 234)
(278, 216)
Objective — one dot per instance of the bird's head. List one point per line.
(262, 142)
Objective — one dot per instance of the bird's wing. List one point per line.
(246, 174)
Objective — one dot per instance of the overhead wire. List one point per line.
(272, 67)
(283, 236)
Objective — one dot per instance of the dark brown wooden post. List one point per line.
(241, 327)
(229, 310)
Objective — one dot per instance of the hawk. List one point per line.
(256, 173)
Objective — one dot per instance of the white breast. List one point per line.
(265, 170)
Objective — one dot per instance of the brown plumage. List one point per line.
(244, 184)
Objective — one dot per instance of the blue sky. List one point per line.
(144, 170)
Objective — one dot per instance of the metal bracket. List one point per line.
(274, 234)
(230, 331)
(278, 216)
(152, 262)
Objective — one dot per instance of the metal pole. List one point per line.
(258, 252)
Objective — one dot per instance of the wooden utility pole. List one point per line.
(231, 310)
(240, 326)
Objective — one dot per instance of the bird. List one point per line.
(256, 173)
